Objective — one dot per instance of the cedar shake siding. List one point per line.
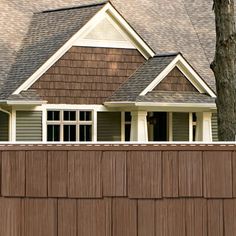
(118, 190)
(86, 75)
(175, 81)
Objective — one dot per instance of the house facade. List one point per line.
(84, 74)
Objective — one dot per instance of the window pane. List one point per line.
(53, 133)
(53, 115)
(85, 133)
(85, 115)
(70, 133)
(127, 116)
(70, 115)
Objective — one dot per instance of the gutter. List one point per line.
(19, 102)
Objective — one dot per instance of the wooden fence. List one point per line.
(118, 190)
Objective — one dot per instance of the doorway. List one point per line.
(157, 126)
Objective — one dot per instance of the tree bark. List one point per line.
(224, 68)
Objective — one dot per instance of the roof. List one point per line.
(167, 26)
(48, 31)
(176, 97)
(145, 74)
(29, 95)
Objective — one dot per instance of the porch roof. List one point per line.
(130, 90)
(176, 97)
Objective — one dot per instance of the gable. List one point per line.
(175, 81)
(87, 75)
(105, 33)
(73, 39)
(187, 72)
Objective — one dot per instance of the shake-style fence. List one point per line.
(118, 190)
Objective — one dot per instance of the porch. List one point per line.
(104, 125)
(157, 126)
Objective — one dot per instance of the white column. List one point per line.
(204, 131)
(139, 131)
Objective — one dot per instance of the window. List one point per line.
(69, 125)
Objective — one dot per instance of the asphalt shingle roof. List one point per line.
(184, 26)
(145, 74)
(29, 95)
(175, 97)
(48, 31)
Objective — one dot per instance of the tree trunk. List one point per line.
(224, 68)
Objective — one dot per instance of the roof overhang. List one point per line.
(163, 106)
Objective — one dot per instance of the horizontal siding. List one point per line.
(180, 126)
(109, 126)
(28, 126)
(4, 126)
(214, 126)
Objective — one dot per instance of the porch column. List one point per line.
(203, 129)
(139, 130)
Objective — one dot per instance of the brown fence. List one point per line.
(118, 190)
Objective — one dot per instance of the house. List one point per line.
(106, 71)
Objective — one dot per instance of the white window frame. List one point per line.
(77, 122)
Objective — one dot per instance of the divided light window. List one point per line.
(69, 125)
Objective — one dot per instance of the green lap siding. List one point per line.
(4, 126)
(109, 126)
(180, 126)
(214, 127)
(28, 126)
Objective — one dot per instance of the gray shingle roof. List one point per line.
(175, 97)
(29, 95)
(48, 31)
(130, 90)
(166, 25)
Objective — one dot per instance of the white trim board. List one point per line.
(188, 72)
(108, 9)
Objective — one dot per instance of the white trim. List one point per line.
(170, 125)
(187, 70)
(160, 104)
(13, 125)
(190, 127)
(75, 107)
(184, 105)
(109, 9)
(94, 126)
(19, 102)
(123, 126)
(44, 124)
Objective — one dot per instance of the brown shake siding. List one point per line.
(175, 81)
(86, 75)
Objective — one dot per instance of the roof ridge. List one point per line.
(168, 54)
(74, 7)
